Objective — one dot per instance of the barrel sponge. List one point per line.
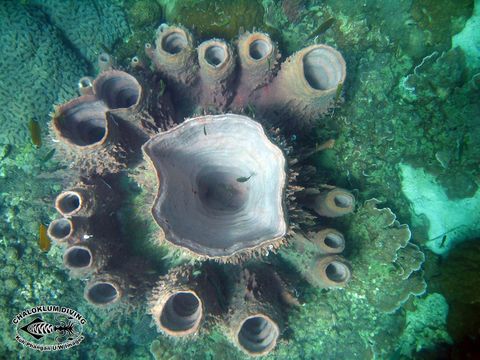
(89, 26)
(385, 260)
(32, 49)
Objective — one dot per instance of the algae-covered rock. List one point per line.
(143, 13)
(441, 19)
(426, 325)
(456, 277)
(220, 18)
(435, 77)
(143, 17)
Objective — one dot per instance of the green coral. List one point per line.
(36, 60)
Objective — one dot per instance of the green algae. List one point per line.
(432, 310)
(222, 19)
(143, 13)
(143, 17)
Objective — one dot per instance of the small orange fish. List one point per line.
(44, 241)
(35, 132)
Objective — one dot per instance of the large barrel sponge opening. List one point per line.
(221, 185)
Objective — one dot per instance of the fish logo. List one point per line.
(39, 328)
(49, 328)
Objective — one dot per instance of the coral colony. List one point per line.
(207, 132)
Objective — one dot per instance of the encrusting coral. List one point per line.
(228, 187)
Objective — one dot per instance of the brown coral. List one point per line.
(86, 257)
(98, 131)
(258, 62)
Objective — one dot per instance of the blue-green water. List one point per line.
(406, 130)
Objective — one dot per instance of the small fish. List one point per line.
(44, 241)
(244, 179)
(35, 132)
(250, 110)
(442, 243)
(322, 28)
(339, 92)
(48, 156)
(204, 130)
(196, 273)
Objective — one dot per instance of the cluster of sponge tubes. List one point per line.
(118, 112)
(214, 76)
(105, 127)
(87, 232)
(247, 300)
(254, 316)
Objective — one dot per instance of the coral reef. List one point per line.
(417, 336)
(223, 181)
(212, 174)
(378, 127)
(385, 273)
